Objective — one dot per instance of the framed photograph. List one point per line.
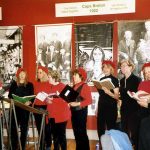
(93, 45)
(53, 48)
(10, 52)
(134, 42)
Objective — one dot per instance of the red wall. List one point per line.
(34, 12)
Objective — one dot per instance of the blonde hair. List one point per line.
(45, 77)
(55, 75)
(128, 62)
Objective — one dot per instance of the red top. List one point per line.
(58, 109)
(39, 87)
(144, 86)
(85, 93)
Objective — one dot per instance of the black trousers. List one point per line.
(106, 117)
(22, 120)
(79, 120)
(130, 123)
(144, 134)
(46, 140)
(58, 131)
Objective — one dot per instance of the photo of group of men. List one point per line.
(54, 48)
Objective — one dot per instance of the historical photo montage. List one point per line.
(10, 52)
(53, 48)
(93, 45)
(93, 107)
(134, 42)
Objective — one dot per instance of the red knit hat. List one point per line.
(146, 65)
(20, 70)
(108, 62)
(43, 68)
(82, 72)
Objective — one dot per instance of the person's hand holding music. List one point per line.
(105, 90)
(143, 102)
(49, 100)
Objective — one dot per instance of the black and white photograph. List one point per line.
(53, 48)
(93, 45)
(10, 52)
(134, 42)
(93, 107)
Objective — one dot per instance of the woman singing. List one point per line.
(107, 104)
(79, 109)
(59, 112)
(42, 85)
(20, 87)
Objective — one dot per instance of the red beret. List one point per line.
(108, 62)
(20, 70)
(43, 68)
(82, 72)
(146, 65)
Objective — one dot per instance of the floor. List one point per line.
(70, 145)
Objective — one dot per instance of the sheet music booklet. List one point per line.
(69, 94)
(138, 95)
(23, 99)
(42, 96)
(104, 83)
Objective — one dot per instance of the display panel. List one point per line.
(134, 42)
(53, 48)
(93, 45)
(10, 52)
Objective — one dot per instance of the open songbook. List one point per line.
(104, 83)
(138, 95)
(42, 96)
(23, 99)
